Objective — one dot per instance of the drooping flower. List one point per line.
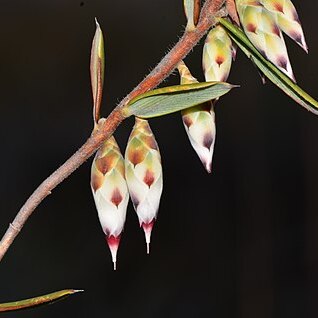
(199, 123)
(261, 27)
(144, 175)
(218, 53)
(110, 192)
(287, 19)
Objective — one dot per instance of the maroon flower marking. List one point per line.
(116, 197)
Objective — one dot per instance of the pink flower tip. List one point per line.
(207, 165)
(208, 168)
(147, 227)
(113, 244)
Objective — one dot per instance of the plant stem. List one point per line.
(106, 127)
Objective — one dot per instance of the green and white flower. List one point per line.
(144, 175)
(110, 192)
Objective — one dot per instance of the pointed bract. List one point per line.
(110, 192)
(192, 12)
(287, 19)
(199, 123)
(231, 9)
(261, 27)
(144, 175)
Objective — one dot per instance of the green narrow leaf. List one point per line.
(269, 69)
(37, 301)
(97, 67)
(171, 99)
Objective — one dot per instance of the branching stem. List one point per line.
(106, 127)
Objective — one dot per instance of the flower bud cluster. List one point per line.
(264, 21)
(139, 175)
(113, 178)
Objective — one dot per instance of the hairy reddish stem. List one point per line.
(106, 127)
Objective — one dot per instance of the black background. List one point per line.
(242, 242)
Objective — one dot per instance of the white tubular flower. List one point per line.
(110, 192)
(199, 123)
(261, 27)
(287, 19)
(217, 56)
(144, 175)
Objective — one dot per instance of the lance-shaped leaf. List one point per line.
(167, 100)
(37, 301)
(97, 71)
(192, 12)
(270, 70)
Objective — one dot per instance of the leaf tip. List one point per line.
(96, 23)
(75, 291)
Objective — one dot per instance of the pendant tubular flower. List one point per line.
(110, 192)
(144, 175)
(199, 123)
(218, 53)
(261, 27)
(287, 19)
